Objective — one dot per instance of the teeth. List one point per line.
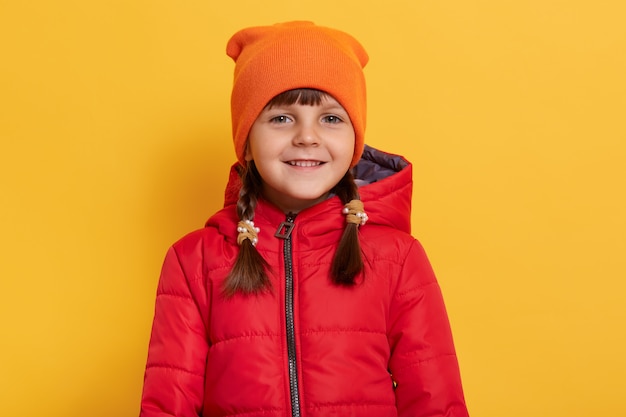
(304, 163)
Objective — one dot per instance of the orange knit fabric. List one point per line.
(270, 60)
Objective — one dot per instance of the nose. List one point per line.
(306, 136)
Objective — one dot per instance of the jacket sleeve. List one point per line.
(423, 361)
(174, 376)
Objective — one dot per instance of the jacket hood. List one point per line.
(385, 187)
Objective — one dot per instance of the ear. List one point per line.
(247, 153)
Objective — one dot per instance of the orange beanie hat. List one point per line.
(270, 60)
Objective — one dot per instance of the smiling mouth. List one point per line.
(305, 164)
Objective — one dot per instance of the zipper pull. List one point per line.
(286, 227)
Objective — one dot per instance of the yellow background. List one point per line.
(115, 141)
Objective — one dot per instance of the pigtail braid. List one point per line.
(249, 274)
(348, 261)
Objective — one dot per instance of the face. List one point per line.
(301, 152)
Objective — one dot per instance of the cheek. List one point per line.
(349, 147)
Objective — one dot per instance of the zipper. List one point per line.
(284, 232)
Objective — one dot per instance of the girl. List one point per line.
(292, 301)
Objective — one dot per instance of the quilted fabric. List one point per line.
(381, 348)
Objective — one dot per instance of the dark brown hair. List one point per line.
(250, 272)
(304, 96)
(348, 261)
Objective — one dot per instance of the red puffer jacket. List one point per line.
(309, 348)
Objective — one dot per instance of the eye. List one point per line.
(281, 118)
(332, 119)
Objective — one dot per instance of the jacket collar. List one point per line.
(385, 188)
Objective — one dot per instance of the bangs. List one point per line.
(303, 96)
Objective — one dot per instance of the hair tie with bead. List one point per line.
(247, 230)
(355, 212)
